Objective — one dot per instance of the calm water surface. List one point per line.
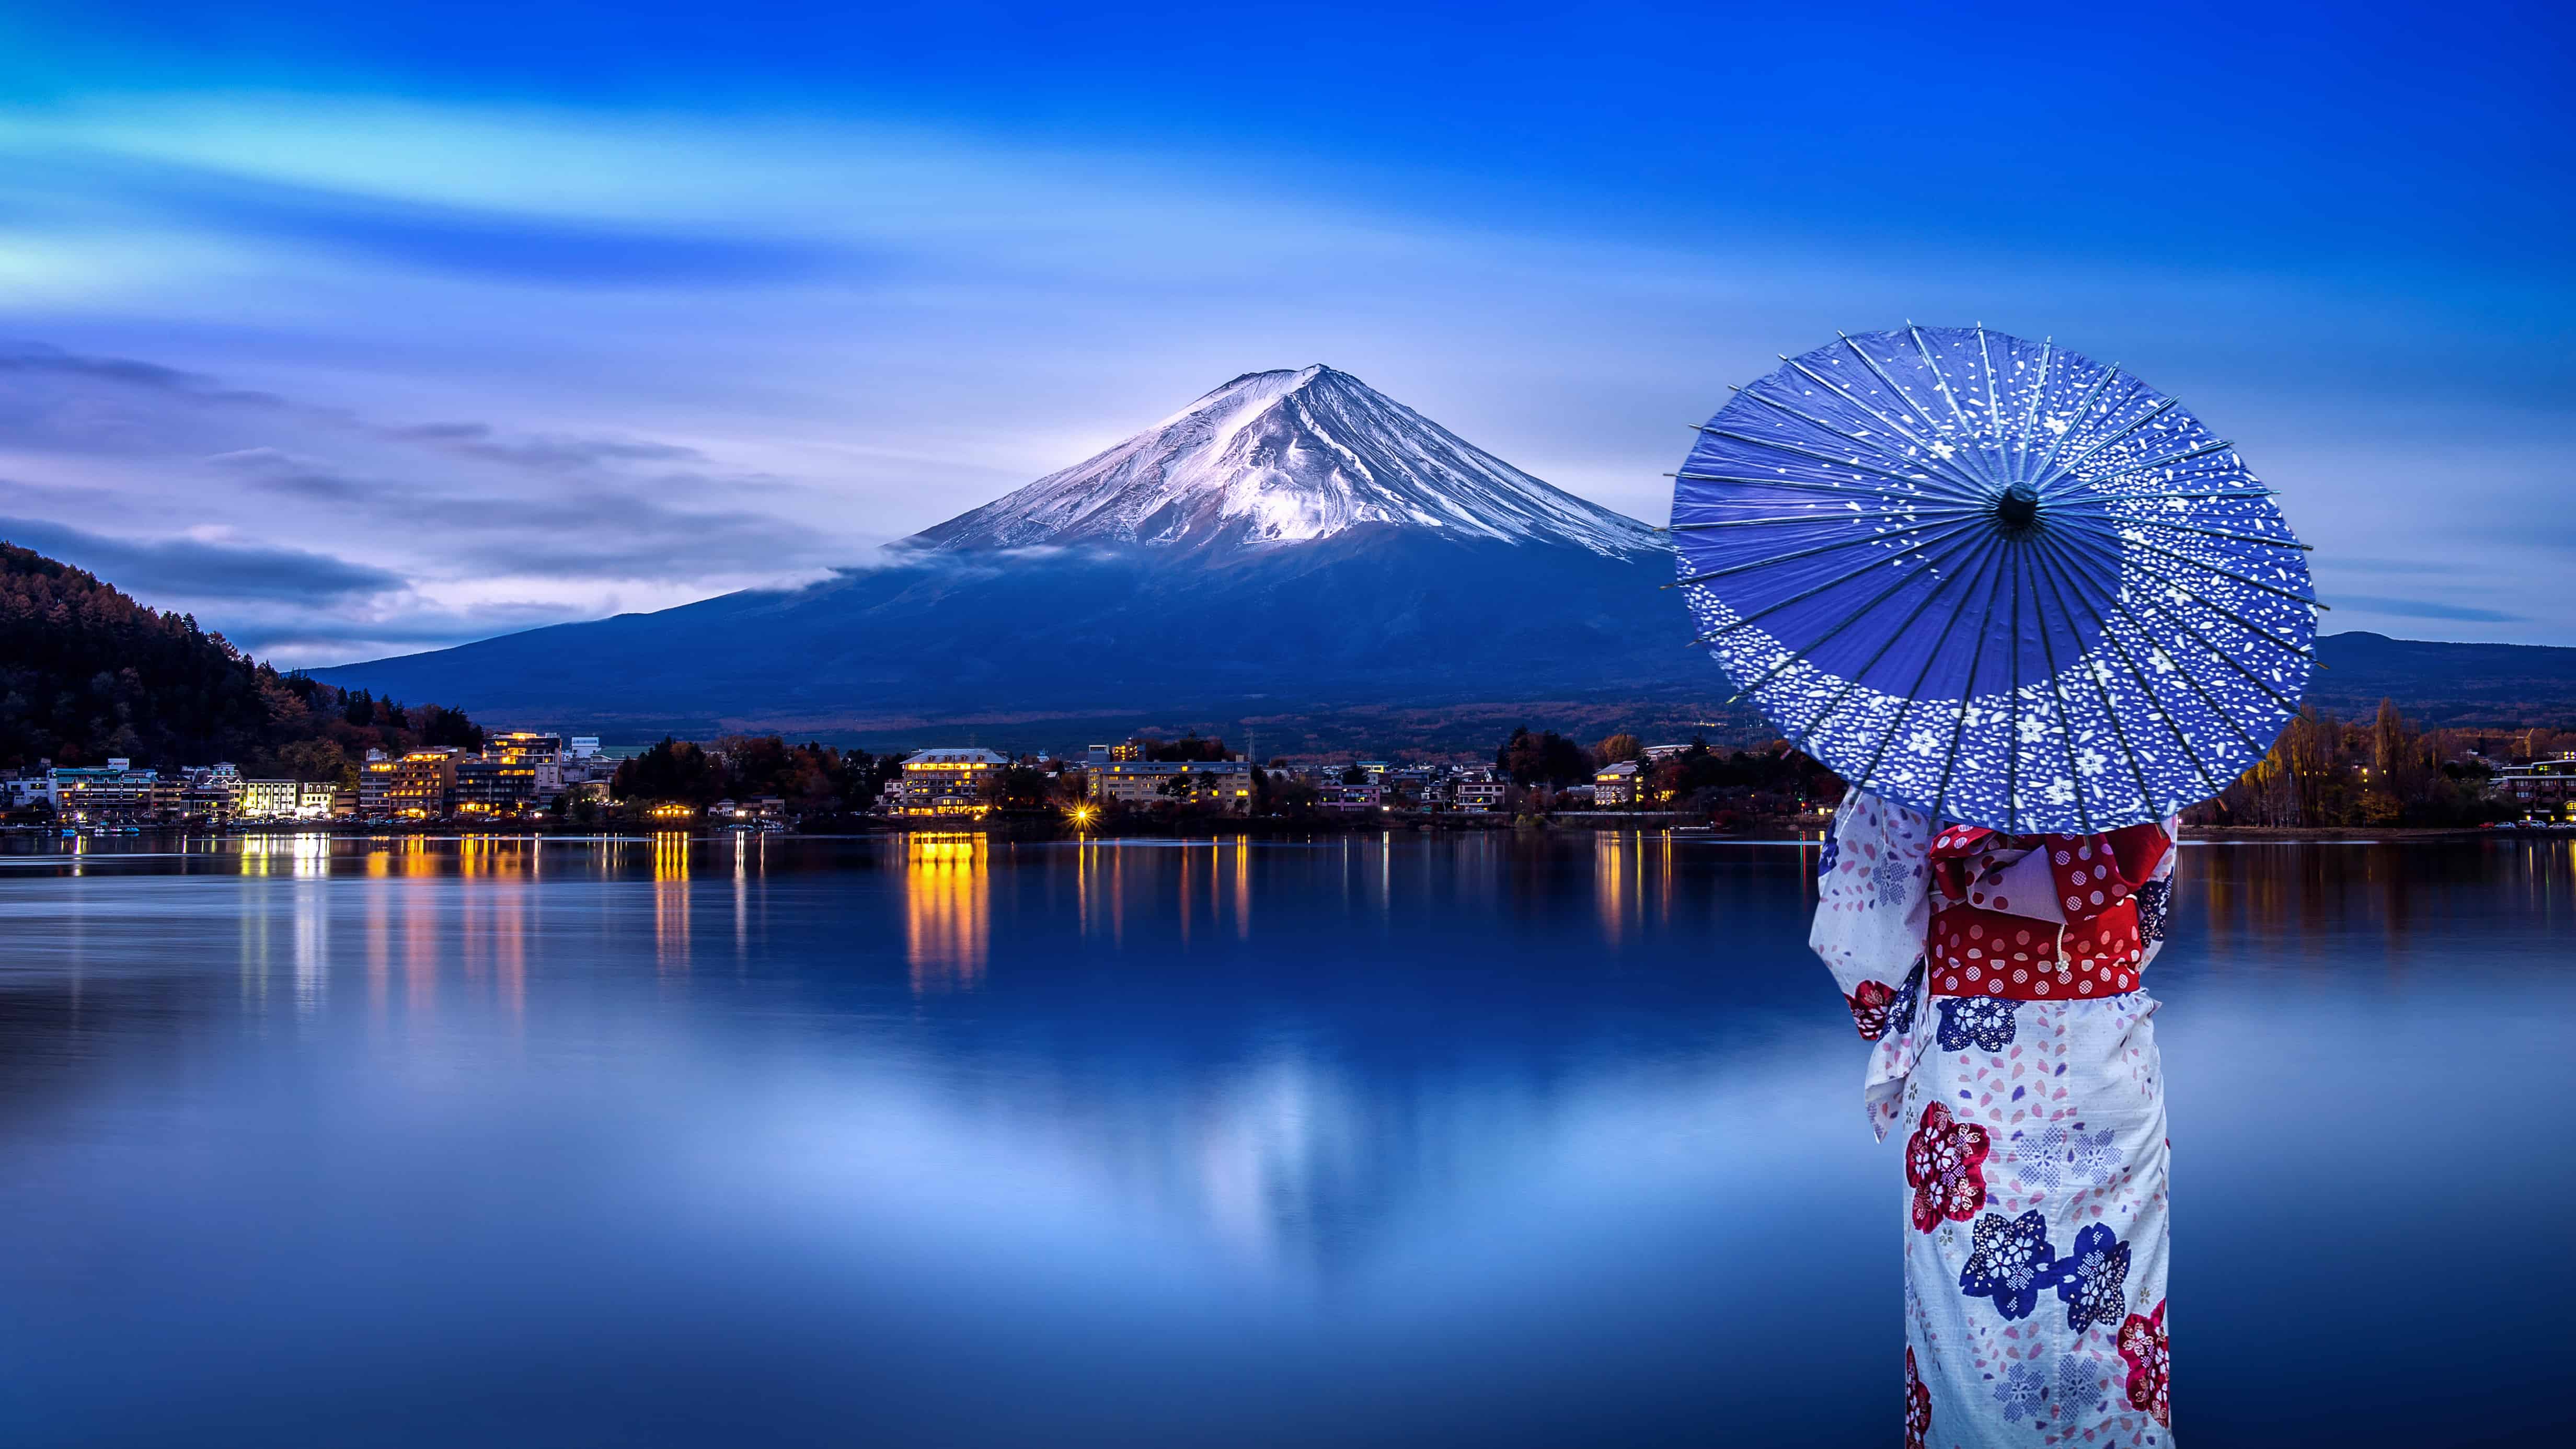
(1473, 1141)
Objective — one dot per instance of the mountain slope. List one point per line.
(1289, 457)
(1289, 539)
(1371, 616)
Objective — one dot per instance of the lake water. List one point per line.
(1472, 1140)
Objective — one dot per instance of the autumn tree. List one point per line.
(1546, 758)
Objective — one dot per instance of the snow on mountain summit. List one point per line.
(1285, 457)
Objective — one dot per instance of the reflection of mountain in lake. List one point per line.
(1297, 1128)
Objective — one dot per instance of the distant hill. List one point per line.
(87, 675)
(2520, 685)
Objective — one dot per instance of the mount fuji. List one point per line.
(1283, 458)
(1292, 545)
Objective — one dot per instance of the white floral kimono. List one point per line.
(1998, 976)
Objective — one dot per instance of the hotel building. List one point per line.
(115, 792)
(543, 752)
(209, 794)
(420, 785)
(1479, 794)
(946, 783)
(2541, 788)
(1334, 795)
(268, 799)
(1226, 784)
(498, 787)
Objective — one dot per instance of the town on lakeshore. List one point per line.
(519, 778)
(2322, 776)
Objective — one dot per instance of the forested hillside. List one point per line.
(87, 674)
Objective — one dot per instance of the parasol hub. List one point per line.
(2017, 508)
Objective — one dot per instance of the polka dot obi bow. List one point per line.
(1995, 934)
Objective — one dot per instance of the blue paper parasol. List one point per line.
(1994, 580)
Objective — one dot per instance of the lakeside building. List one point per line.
(765, 812)
(1099, 755)
(2543, 787)
(584, 769)
(25, 790)
(588, 774)
(1479, 793)
(541, 752)
(1337, 796)
(1226, 784)
(113, 793)
(210, 793)
(421, 785)
(1410, 788)
(1615, 784)
(945, 783)
(268, 799)
(497, 787)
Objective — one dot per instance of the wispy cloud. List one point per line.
(554, 454)
(198, 569)
(194, 494)
(504, 244)
(2424, 609)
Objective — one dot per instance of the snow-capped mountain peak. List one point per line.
(1285, 457)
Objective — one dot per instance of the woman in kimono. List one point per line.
(1999, 977)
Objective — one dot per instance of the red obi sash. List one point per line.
(1978, 947)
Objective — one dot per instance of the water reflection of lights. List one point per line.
(306, 855)
(947, 914)
(503, 932)
(671, 900)
(379, 942)
(1630, 874)
(1100, 870)
(497, 855)
(750, 858)
(1242, 889)
(1205, 881)
(1613, 873)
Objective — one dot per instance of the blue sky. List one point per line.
(364, 329)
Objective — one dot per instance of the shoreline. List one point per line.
(1783, 829)
(2351, 834)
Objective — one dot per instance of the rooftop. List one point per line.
(954, 757)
